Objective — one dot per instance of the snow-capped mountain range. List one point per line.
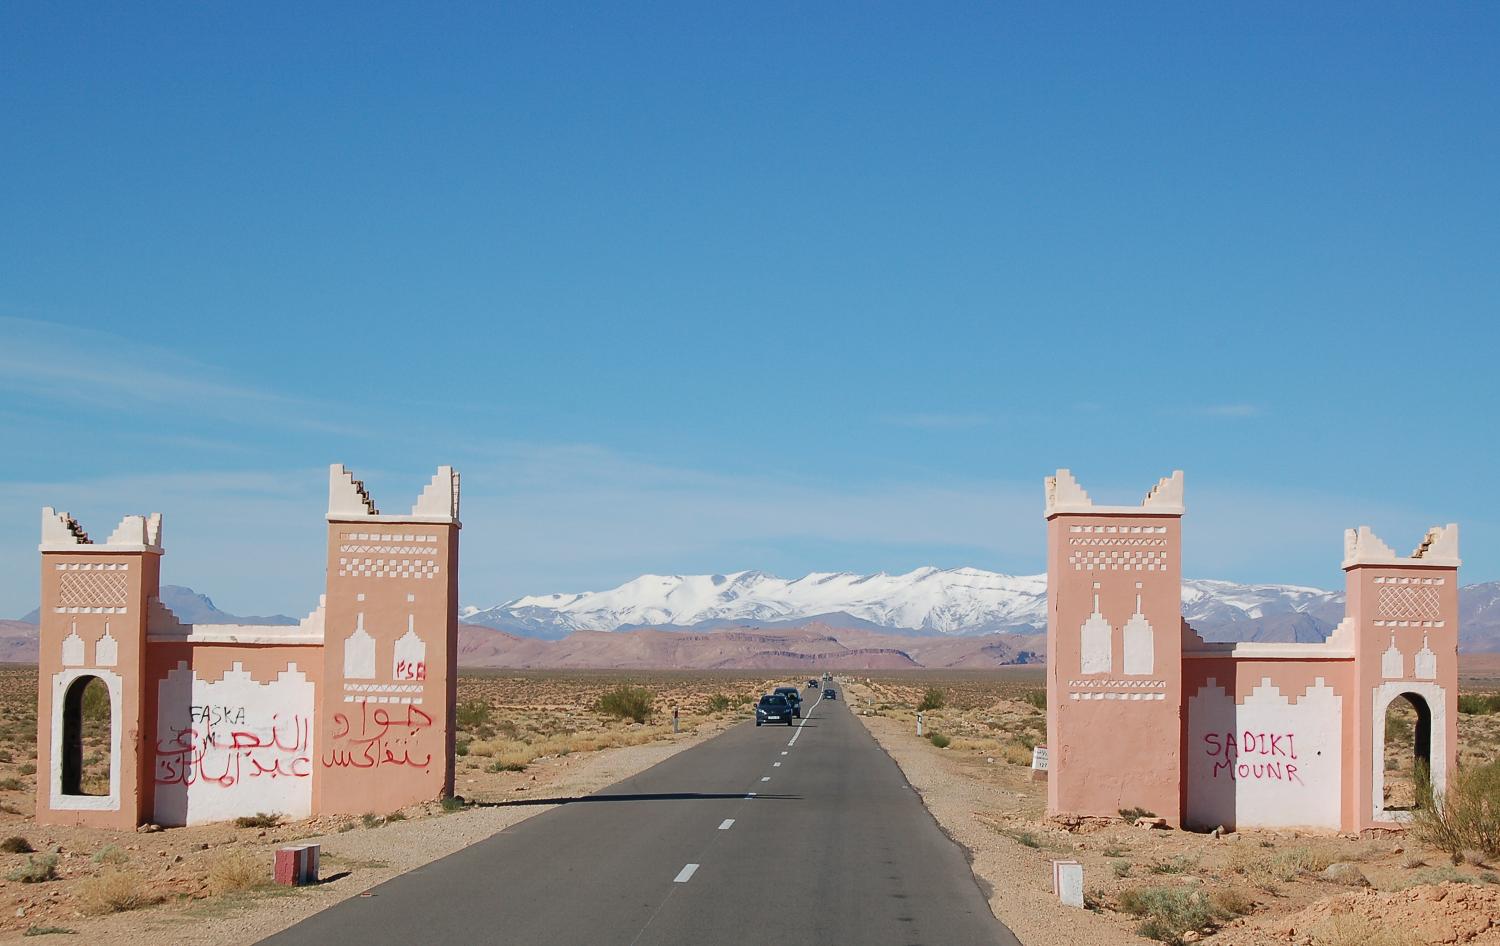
(955, 601)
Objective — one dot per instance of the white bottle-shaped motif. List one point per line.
(1140, 641)
(409, 661)
(359, 653)
(1426, 668)
(1097, 644)
(1393, 662)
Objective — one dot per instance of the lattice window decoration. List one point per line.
(84, 588)
(1409, 602)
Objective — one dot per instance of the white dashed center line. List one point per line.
(686, 874)
(775, 765)
(802, 722)
(726, 824)
(783, 752)
(765, 778)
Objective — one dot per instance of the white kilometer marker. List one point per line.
(686, 874)
(727, 824)
(765, 778)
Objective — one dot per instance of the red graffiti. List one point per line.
(1253, 755)
(198, 753)
(411, 670)
(380, 739)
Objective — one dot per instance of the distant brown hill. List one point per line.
(814, 646)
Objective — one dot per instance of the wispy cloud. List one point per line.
(936, 421)
(1227, 410)
(107, 373)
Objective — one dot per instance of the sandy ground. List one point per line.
(354, 860)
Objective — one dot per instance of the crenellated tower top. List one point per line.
(1438, 549)
(62, 533)
(349, 501)
(1064, 495)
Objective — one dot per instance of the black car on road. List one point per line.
(773, 708)
(794, 697)
(830, 694)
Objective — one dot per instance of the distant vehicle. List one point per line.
(793, 697)
(812, 684)
(773, 708)
(829, 693)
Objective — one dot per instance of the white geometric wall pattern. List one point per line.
(1392, 662)
(1096, 641)
(389, 567)
(107, 651)
(359, 653)
(1409, 602)
(92, 591)
(1117, 553)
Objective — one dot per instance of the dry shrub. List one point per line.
(1468, 817)
(115, 891)
(15, 844)
(237, 871)
(1309, 858)
(1016, 754)
(1348, 929)
(1168, 912)
(1231, 901)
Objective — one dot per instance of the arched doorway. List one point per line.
(87, 747)
(1409, 734)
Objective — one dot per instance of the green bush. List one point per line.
(626, 702)
(498, 766)
(1134, 814)
(940, 740)
(38, 868)
(1037, 698)
(1475, 704)
(11, 784)
(454, 803)
(1166, 913)
(27, 768)
(1468, 817)
(718, 703)
(934, 698)
(471, 714)
(257, 820)
(15, 844)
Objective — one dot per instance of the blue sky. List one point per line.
(695, 287)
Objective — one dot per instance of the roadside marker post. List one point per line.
(1039, 764)
(919, 724)
(297, 865)
(675, 728)
(1067, 882)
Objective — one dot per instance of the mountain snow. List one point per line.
(944, 601)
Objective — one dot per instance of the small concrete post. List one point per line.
(298, 865)
(675, 727)
(919, 724)
(1067, 882)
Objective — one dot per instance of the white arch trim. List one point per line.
(1437, 705)
(56, 799)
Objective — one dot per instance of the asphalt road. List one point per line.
(760, 835)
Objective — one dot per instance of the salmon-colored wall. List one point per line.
(128, 630)
(385, 739)
(1114, 738)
